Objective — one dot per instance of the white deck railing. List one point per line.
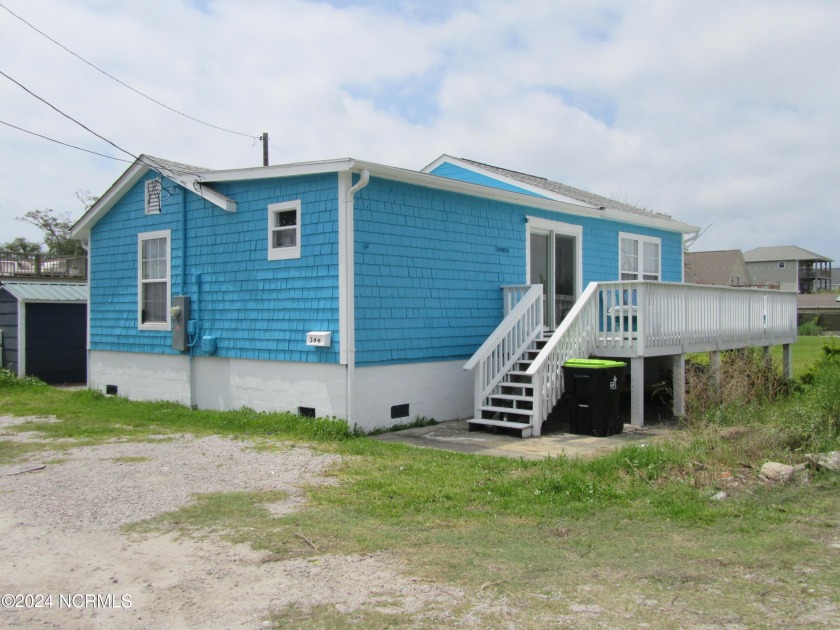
(659, 318)
(496, 356)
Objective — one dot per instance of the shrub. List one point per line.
(745, 375)
(811, 328)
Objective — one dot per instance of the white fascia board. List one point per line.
(542, 192)
(284, 170)
(135, 172)
(520, 199)
(194, 183)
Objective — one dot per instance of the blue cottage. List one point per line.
(352, 289)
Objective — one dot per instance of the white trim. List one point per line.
(132, 175)
(280, 170)
(641, 240)
(420, 178)
(542, 192)
(136, 171)
(289, 252)
(545, 226)
(146, 236)
(345, 270)
(21, 345)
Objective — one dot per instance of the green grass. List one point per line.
(634, 533)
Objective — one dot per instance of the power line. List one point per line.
(68, 116)
(133, 89)
(72, 146)
(101, 137)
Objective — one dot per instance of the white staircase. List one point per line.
(518, 370)
(511, 405)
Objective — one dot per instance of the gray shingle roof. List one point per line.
(784, 252)
(176, 168)
(569, 191)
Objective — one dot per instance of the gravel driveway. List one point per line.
(60, 538)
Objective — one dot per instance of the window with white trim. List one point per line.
(153, 188)
(284, 230)
(153, 275)
(639, 257)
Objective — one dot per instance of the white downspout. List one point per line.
(350, 299)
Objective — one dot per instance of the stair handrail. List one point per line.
(574, 338)
(506, 344)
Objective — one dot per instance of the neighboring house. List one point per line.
(43, 330)
(824, 307)
(790, 267)
(724, 268)
(835, 279)
(351, 289)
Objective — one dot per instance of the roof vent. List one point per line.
(153, 187)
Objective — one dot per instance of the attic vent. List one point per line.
(153, 187)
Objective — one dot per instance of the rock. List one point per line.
(827, 461)
(776, 472)
(720, 496)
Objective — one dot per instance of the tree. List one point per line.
(56, 229)
(21, 246)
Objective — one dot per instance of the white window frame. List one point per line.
(148, 236)
(153, 208)
(640, 240)
(291, 251)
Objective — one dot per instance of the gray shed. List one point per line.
(43, 330)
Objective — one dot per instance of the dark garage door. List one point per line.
(55, 342)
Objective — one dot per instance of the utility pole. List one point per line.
(264, 139)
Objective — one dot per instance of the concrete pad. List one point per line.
(456, 436)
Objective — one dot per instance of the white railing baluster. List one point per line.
(522, 324)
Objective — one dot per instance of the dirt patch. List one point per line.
(61, 532)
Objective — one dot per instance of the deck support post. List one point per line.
(714, 366)
(678, 383)
(787, 361)
(637, 391)
(768, 358)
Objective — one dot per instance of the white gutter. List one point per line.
(348, 333)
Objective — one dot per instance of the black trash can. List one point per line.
(594, 385)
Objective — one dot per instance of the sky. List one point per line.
(721, 113)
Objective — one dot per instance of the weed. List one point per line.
(419, 421)
(10, 379)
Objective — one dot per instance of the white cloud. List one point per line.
(716, 112)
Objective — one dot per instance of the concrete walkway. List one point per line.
(455, 436)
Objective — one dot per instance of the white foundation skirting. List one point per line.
(442, 391)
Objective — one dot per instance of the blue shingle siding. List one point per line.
(256, 308)
(430, 265)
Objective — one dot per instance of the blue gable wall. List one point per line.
(430, 265)
(257, 309)
(452, 171)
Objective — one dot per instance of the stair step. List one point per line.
(512, 397)
(509, 410)
(519, 426)
(522, 386)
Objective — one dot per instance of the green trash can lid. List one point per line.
(593, 364)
